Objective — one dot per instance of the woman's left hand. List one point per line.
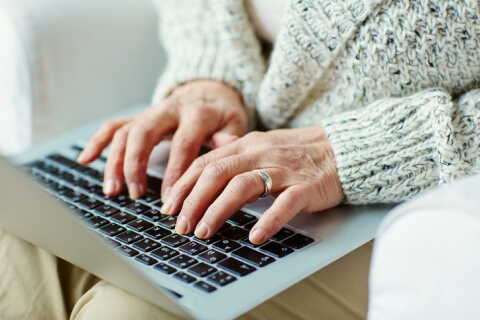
(300, 162)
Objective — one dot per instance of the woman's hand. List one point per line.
(202, 111)
(300, 162)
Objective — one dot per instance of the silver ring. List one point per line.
(267, 180)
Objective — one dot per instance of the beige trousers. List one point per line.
(37, 285)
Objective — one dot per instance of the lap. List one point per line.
(36, 284)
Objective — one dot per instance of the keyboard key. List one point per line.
(62, 160)
(91, 187)
(247, 242)
(150, 196)
(212, 256)
(112, 229)
(157, 233)
(129, 237)
(298, 241)
(136, 208)
(175, 240)
(154, 184)
(204, 286)
(153, 215)
(183, 261)
(226, 245)
(164, 253)
(59, 189)
(97, 222)
(90, 203)
(221, 278)
(106, 210)
(193, 248)
(225, 226)
(276, 249)
(143, 258)
(129, 252)
(123, 217)
(202, 270)
(282, 234)
(121, 200)
(184, 277)
(235, 233)
(250, 225)
(140, 225)
(241, 218)
(255, 257)
(212, 240)
(146, 245)
(169, 222)
(94, 174)
(236, 267)
(165, 268)
(74, 196)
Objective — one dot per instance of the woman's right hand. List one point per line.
(198, 112)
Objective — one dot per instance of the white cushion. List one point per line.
(426, 258)
(63, 63)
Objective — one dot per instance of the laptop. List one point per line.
(54, 203)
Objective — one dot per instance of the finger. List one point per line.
(210, 184)
(288, 204)
(113, 181)
(144, 135)
(220, 139)
(184, 185)
(186, 144)
(100, 140)
(229, 133)
(238, 191)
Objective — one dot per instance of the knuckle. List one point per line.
(295, 200)
(132, 168)
(108, 125)
(184, 143)
(242, 183)
(200, 163)
(254, 135)
(275, 220)
(216, 169)
(141, 132)
(189, 205)
(121, 134)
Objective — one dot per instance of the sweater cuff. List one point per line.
(393, 148)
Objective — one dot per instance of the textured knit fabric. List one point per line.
(391, 81)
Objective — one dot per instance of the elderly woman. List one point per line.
(364, 102)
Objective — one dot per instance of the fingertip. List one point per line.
(201, 231)
(258, 236)
(135, 190)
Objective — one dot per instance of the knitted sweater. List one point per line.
(392, 82)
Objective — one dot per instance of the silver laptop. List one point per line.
(49, 200)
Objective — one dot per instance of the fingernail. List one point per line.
(201, 231)
(182, 225)
(258, 236)
(134, 190)
(110, 186)
(166, 192)
(166, 206)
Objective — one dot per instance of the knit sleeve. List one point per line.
(210, 39)
(395, 148)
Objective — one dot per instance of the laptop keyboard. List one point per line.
(138, 230)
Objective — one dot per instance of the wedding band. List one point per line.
(267, 180)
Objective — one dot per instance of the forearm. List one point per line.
(396, 148)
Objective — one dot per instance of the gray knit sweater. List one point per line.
(392, 82)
